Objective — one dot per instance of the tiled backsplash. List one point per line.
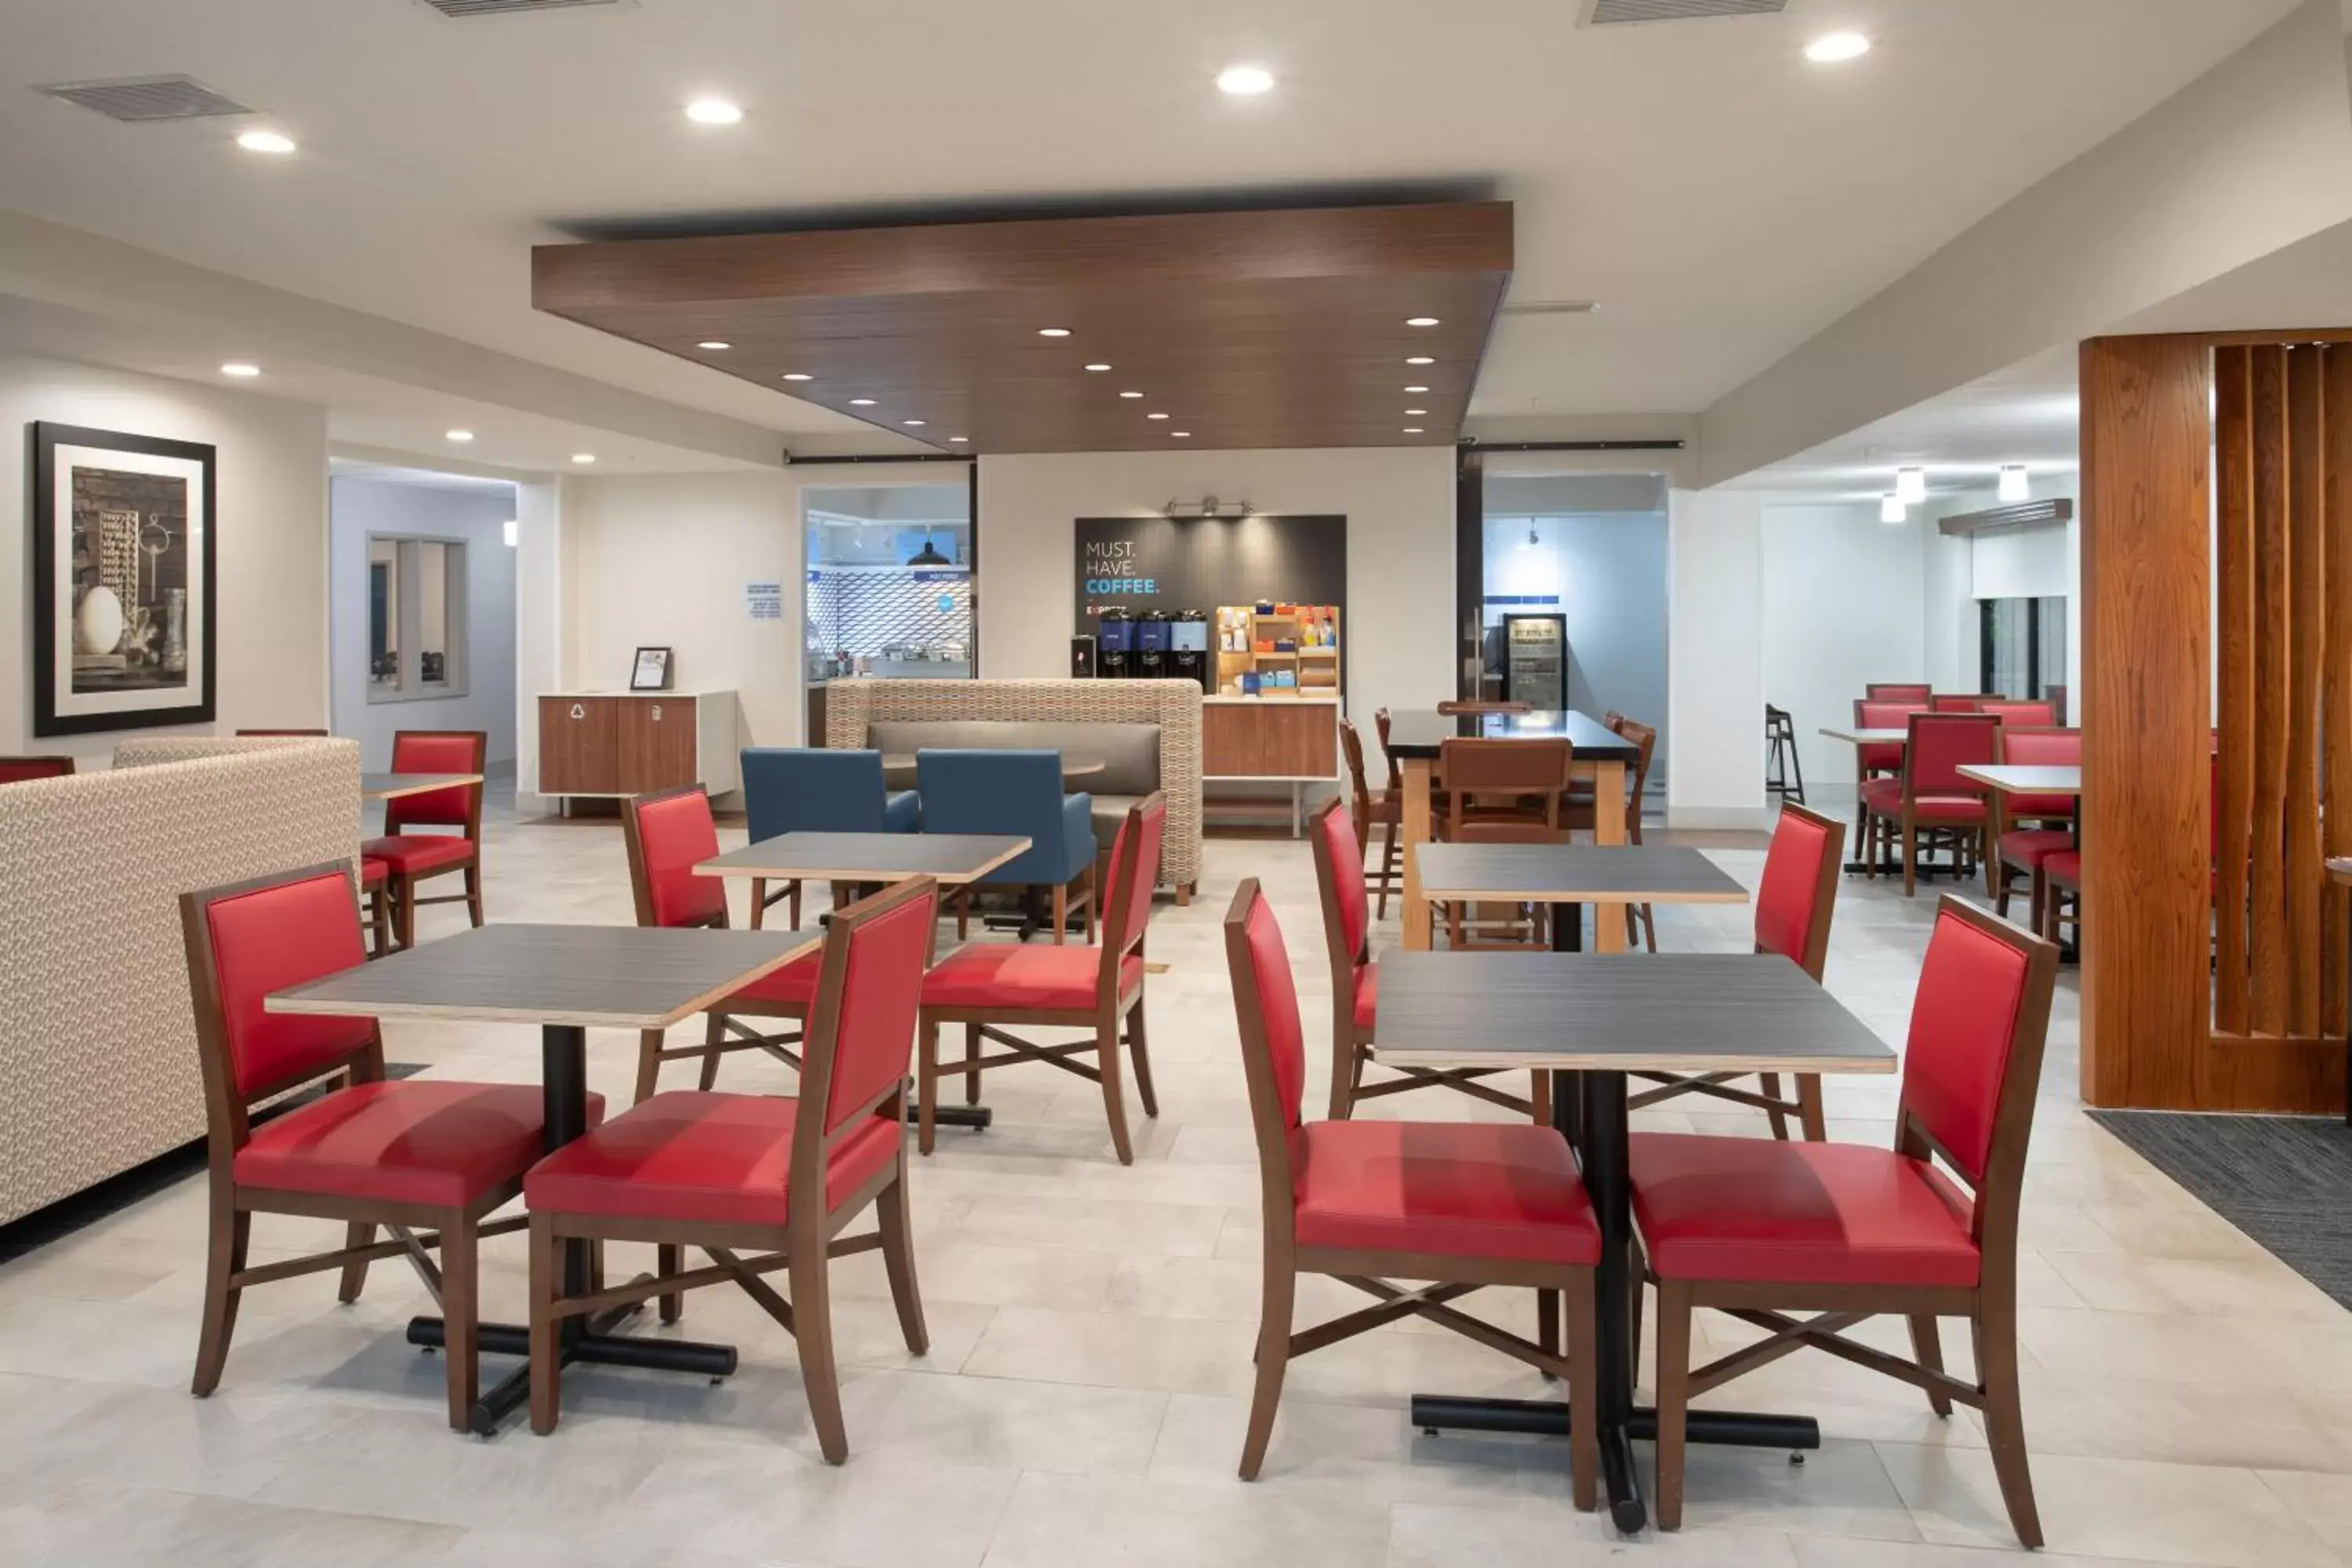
(866, 610)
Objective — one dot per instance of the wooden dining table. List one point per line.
(1414, 739)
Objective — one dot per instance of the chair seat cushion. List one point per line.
(1880, 756)
(372, 870)
(792, 984)
(712, 1159)
(1820, 1214)
(2041, 805)
(1018, 974)
(1884, 796)
(1367, 994)
(418, 1140)
(411, 853)
(2065, 868)
(2028, 848)
(1500, 1190)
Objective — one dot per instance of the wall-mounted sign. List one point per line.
(1142, 563)
(764, 601)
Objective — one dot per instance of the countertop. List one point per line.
(1303, 700)
(714, 692)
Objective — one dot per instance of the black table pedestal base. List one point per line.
(594, 1343)
(1549, 1418)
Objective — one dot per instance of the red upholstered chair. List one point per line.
(1759, 1229)
(2021, 850)
(1461, 1205)
(782, 1178)
(261, 735)
(1931, 797)
(1881, 760)
(425, 1158)
(1383, 808)
(20, 770)
(413, 858)
(1915, 692)
(986, 985)
(1794, 905)
(2029, 715)
(668, 835)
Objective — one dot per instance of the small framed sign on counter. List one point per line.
(651, 670)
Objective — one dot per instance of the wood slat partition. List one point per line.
(2272, 606)
(2306, 578)
(2233, 588)
(2336, 693)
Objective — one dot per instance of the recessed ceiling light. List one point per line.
(1421, 321)
(910, 422)
(1412, 430)
(461, 435)
(239, 368)
(1244, 81)
(716, 345)
(270, 142)
(1830, 47)
(1411, 413)
(958, 438)
(1097, 368)
(1130, 395)
(861, 403)
(1052, 331)
(1421, 359)
(1155, 416)
(713, 111)
(798, 376)
(1181, 435)
(1416, 389)
(583, 458)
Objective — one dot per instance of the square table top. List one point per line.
(391, 787)
(2026, 778)
(1665, 1012)
(1862, 737)
(622, 977)
(954, 858)
(1573, 874)
(1419, 733)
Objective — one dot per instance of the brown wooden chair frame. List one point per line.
(1990, 1306)
(723, 1033)
(804, 1246)
(984, 1023)
(1383, 807)
(1811, 1120)
(417, 1229)
(1371, 1271)
(402, 887)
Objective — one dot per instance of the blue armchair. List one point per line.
(795, 789)
(1019, 792)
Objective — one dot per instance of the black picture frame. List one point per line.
(637, 670)
(54, 703)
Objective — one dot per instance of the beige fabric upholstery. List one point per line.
(852, 706)
(97, 1048)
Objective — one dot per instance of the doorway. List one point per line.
(889, 586)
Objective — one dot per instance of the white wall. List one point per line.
(359, 506)
(1398, 643)
(1842, 593)
(1714, 673)
(270, 542)
(2002, 565)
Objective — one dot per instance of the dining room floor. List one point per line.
(2187, 1397)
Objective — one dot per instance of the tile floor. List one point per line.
(2188, 1398)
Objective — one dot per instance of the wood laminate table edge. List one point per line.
(1659, 1061)
(1868, 737)
(1984, 775)
(427, 783)
(713, 868)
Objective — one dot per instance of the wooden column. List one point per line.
(2336, 694)
(2233, 587)
(2144, 707)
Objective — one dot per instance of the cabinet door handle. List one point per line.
(657, 708)
(578, 712)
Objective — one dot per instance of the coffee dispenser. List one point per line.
(1188, 648)
(1115, 645)
(1152, 645)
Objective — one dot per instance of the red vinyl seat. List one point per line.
(2030, 847)
(412, 854)
(1469, 1189)
(372, 870)
(1016, 975)
(1835, 1213)
(1886, 797)
(417, 1140)
(710, 1159)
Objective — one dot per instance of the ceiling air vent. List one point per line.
(463, 9)
(141, 98)
(1552, 308)
(1608, 12)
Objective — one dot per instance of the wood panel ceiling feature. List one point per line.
(1252, 329)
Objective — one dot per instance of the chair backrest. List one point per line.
(19, 770)
(807, 789)
(1962, 701)
(993, 792)
(1799, 893)
(1388, 758)
(1274, 1044)
(1134, 872)
(254, 734)
(1875, 715)
(2040, 747)
(248, 939)
(668, 835)
(438, 751)
(1470, 767)
(2042, 714)
(1973, 1062)
(1347, 911)
(1351, 749)
(1916, 691)
(1941, 744)
(861, 1033)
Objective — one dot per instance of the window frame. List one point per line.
(408, 683)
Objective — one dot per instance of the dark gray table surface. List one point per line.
(952, 858)
(1419, 733)
(1574, 873)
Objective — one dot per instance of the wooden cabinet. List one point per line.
(617, 743)
(1269, 738)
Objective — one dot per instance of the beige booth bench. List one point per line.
(98, 1049)
(884, 714)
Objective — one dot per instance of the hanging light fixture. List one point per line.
(1890, 508)
(929, 555)
(1911, 486)
(2012, 482)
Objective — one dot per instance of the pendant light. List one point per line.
(2012, 482)
(1911, 486)
(1890, 508)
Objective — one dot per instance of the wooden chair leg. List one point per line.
(1277, 1294)
(759, 903)
(232, 1230)
(1548, 1322)
(1061, 914)
(1539, 1092)
(971, 1064)
(1388, 854)
(812, 1334)
(1673, 1397)
(927, 1085)
(1771, 1084)
(357, 1234)
(2001, 891)
(460, 1318)
(1927, 1349)
(1114, 1097)
(669, 1262)
(1991, 861)
(714, 1042)
(1910, 859)
(1141, 1050)
(403, 908)
(1809, 1108)
(2004, 1417)
(793, 905)
(898, 1259)
(1094, 885)
(474, 891)
(546, 1363)
(1584, 1397)
(649, 1050)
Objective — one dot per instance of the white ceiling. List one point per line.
(1721, 197)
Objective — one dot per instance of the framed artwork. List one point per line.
(651, 672)
(122, 580)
